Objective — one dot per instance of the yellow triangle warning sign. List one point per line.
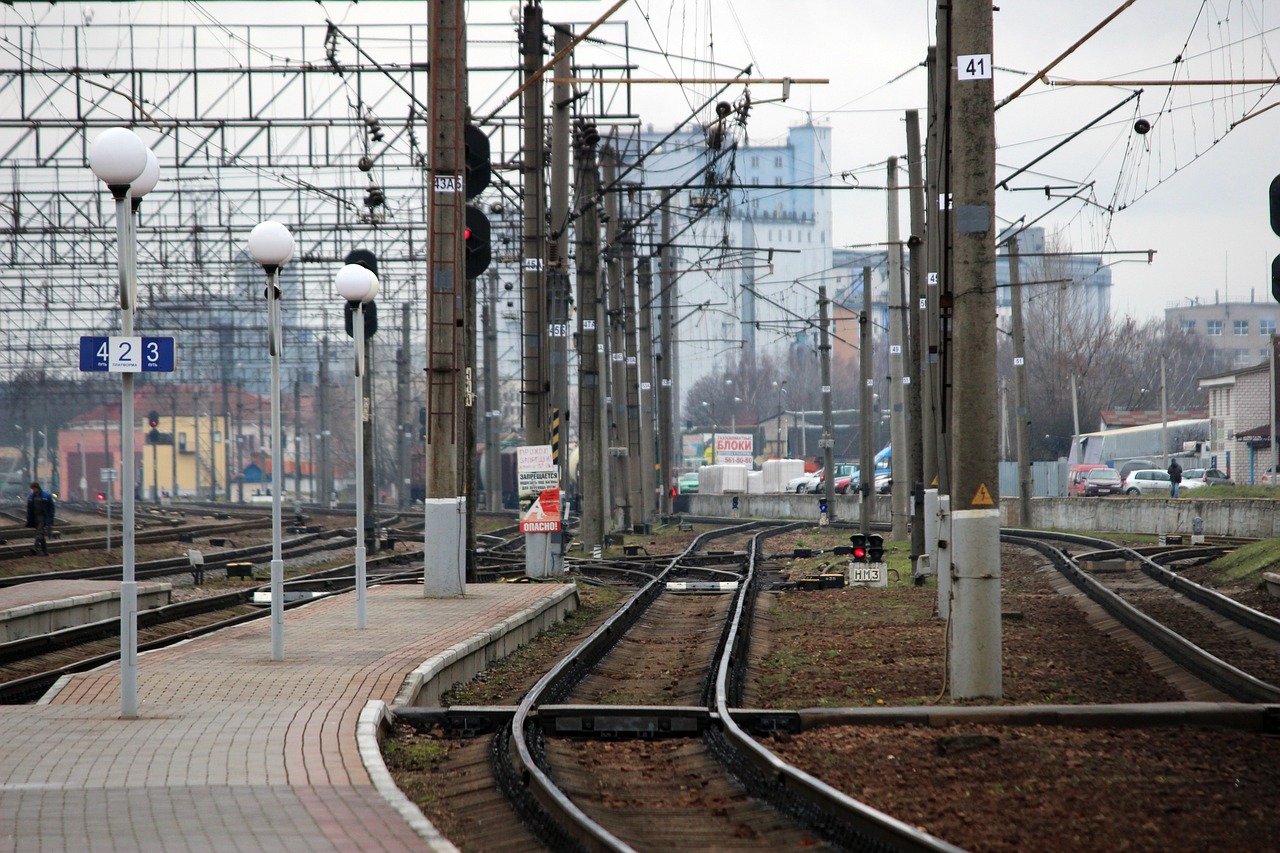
(983, 497)
(934, 484)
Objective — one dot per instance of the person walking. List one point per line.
(40, 510)
(1175, 478)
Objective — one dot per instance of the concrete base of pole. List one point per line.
(444, 541)
(277, 609)
(361, 588)
(128, 650)
(941, 559)
(537, 555)
(930, 533)
(975, 652)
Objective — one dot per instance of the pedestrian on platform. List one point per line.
(1175, 478)
(40, 509)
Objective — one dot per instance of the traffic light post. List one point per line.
(866, 561)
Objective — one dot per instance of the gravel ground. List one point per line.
(984, 788)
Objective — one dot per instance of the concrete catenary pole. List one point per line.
(617, 432)
(644, 342)
(975, 657)
(637, 500)
(666, 361)
(590, 338)
(866, 461)
(445, 512)
(558, 277)
(534, 360)
(404, 426)
(900, 493)
(828, 427)
(492, 399)
(1022, 407)
(915, 353)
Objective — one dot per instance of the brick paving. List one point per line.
(231, 750)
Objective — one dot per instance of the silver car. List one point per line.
(1147, 481)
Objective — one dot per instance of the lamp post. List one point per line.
(358, 285)
(271, 245)
(118, 157)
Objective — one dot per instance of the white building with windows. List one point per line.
(1243, 330)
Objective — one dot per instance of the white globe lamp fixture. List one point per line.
(118, 157)
(356, 283)
(147, 181)
(271, 244)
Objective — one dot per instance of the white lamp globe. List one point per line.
(270, 243)
(146, 182)
(117, 156)
(356, 283)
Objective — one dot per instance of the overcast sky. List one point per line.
(1190, 190)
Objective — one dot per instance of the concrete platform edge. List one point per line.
(441, 671)
(373, 719)
(464, 660)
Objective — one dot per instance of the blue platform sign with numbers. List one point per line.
(120, 354)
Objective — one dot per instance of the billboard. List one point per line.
(735, 449)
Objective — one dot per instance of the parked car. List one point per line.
(1147, 481)
(688, 483)
(843, 469)
(847, 483)
(1100, 481)
(805, 483)
(1076, 475)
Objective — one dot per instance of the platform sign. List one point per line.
(535, 474)
(120, 354)
(543, 515)
(108, 475)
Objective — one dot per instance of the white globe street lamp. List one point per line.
(118, 157)
(358, 285)
(271, 245)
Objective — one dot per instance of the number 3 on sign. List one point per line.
(973, 66)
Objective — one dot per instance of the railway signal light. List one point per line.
(1273, 195)
(875, 548)
(475, 146)
(822, 505)
(101, 496)
(154, 419)
(476, 235)
(859, 541)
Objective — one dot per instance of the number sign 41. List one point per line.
(973, 66)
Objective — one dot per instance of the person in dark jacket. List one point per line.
(1175, 478)
(40, 509)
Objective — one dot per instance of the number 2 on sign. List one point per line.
(974, 66)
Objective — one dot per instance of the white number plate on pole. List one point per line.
(125, 355)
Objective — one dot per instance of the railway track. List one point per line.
(631, 742)
(1230, 647)
(29, 666)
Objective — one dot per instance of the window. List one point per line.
(755, 162)
(1266, 327)
(777, 161)
(1189, 326)
(1213, 328)
(182, 442)
(1239, 328)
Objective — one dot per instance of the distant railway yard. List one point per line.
(721, 685)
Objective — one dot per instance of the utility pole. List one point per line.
(590, 337)
(558, 277)
(828, 429)
(492, 399)
(975, 658)
(866, 461)
(899, 493)
(916, 433)
(1022, 407)
(635, 473)
(666, 361)
(617, 350)
(404, 427)
(534, 363)
(644, 339)
(443, 523)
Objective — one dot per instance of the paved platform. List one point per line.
(234, 751)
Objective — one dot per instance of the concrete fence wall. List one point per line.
(1240, 517)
